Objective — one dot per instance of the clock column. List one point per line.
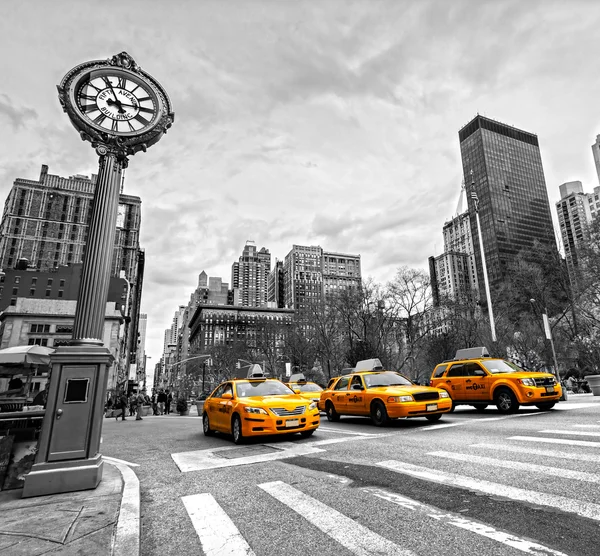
(68, 457)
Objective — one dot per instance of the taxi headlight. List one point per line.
(444, 394)
(394, 399)
(312, 406)
(527, 381)
(255, 410)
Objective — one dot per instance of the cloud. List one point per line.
(17, 116)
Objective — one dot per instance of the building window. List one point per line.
(32, 292)
(38, 341)
(15, 291)
(49, 281)
(17, 279)
(33, 281)
(48, 292)
(39, 328)
(62, 284)
(60, 293)
(13, 301)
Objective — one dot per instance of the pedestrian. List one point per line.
(168, 402)
(140, 399)
(162, 399)
(154, 402)
(132, 404)
(122, 402)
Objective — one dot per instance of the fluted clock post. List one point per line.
(121, 110)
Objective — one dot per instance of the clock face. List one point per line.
(116, 102)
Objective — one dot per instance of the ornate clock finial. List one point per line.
(124, 60)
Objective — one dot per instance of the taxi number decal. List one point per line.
(355, 399)
(224, 409)
(476, 387)
(456, 387)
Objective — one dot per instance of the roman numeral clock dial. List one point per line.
(115, 103)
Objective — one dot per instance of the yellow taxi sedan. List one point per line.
(256, 407)
(382, 395)
(308, 390)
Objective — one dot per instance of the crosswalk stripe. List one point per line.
(355, 537)
(217, 533)
(327, 429)
(584, 509)
(572, 433)
(517, 465)
(556, 441)
(535, 452)
(456, 520)
(588, 426)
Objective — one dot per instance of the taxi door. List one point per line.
(356, 400)
(211, 406)
(338, 394)
(225, 406)
(477, 382)
(455, 382)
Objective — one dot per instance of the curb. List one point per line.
(126, 540)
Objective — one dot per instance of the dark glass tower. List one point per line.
(505, 165)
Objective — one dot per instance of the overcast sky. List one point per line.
(331, 123)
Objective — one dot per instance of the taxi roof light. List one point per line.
(369, 365)
(255, 371)
(471, 353)
(298, 377)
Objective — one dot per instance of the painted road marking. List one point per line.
(556, 441)
(459, 521)
(532, 467)
(115, 460)
(573, 433)
(352, 535)
(588, 426)
(217, 533)
(584, 509)
(198, 460)
(535, 452)
(326, 429)
(568, 406)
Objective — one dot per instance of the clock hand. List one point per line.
(117, 103)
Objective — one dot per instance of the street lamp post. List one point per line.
(488, 296)
(548, 334)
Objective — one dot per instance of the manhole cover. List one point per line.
(247, 451)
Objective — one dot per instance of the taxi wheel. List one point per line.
(545, 406)
(433, 418)
(379, 414)
(506, 401)
(332, 414)
(236, 430)
(206, 425)
(307, 434)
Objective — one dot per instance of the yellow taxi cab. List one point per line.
(305, 389)
(474, 378)
(256, 406)
(370, 390)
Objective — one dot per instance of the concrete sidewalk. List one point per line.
(102, 521)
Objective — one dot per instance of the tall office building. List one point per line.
(596, 153)
(275, 286)
(505, 165)
(249, 275)
(576, 210)
(45, 224)
(311, 274)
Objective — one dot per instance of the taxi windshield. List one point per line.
(307, 387)
(497, 366)
(262, 388)
(375, 380)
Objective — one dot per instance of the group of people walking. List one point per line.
(133, 404)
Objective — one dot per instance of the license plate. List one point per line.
(292, 423)
(431, 407)
(549, 388)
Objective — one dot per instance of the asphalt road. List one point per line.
(471, 484)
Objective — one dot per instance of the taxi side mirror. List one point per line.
(297, 390)
(356, 387)
(227, 396)
(479, 372)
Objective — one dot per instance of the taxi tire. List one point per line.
(332, 414)
(206, 425)
(236, 430)
(506, 401)
(379, 414)
(547, 406)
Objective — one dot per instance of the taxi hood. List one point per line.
(275, 401)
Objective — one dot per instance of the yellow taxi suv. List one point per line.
(382, 395)
(258, 406)
(474, 378)
(305, 389)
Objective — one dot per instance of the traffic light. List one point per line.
(238, 365)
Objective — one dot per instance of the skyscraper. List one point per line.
(249, 275)
(596, 153)
(505, 165)
(575, 210)
(45, 224)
